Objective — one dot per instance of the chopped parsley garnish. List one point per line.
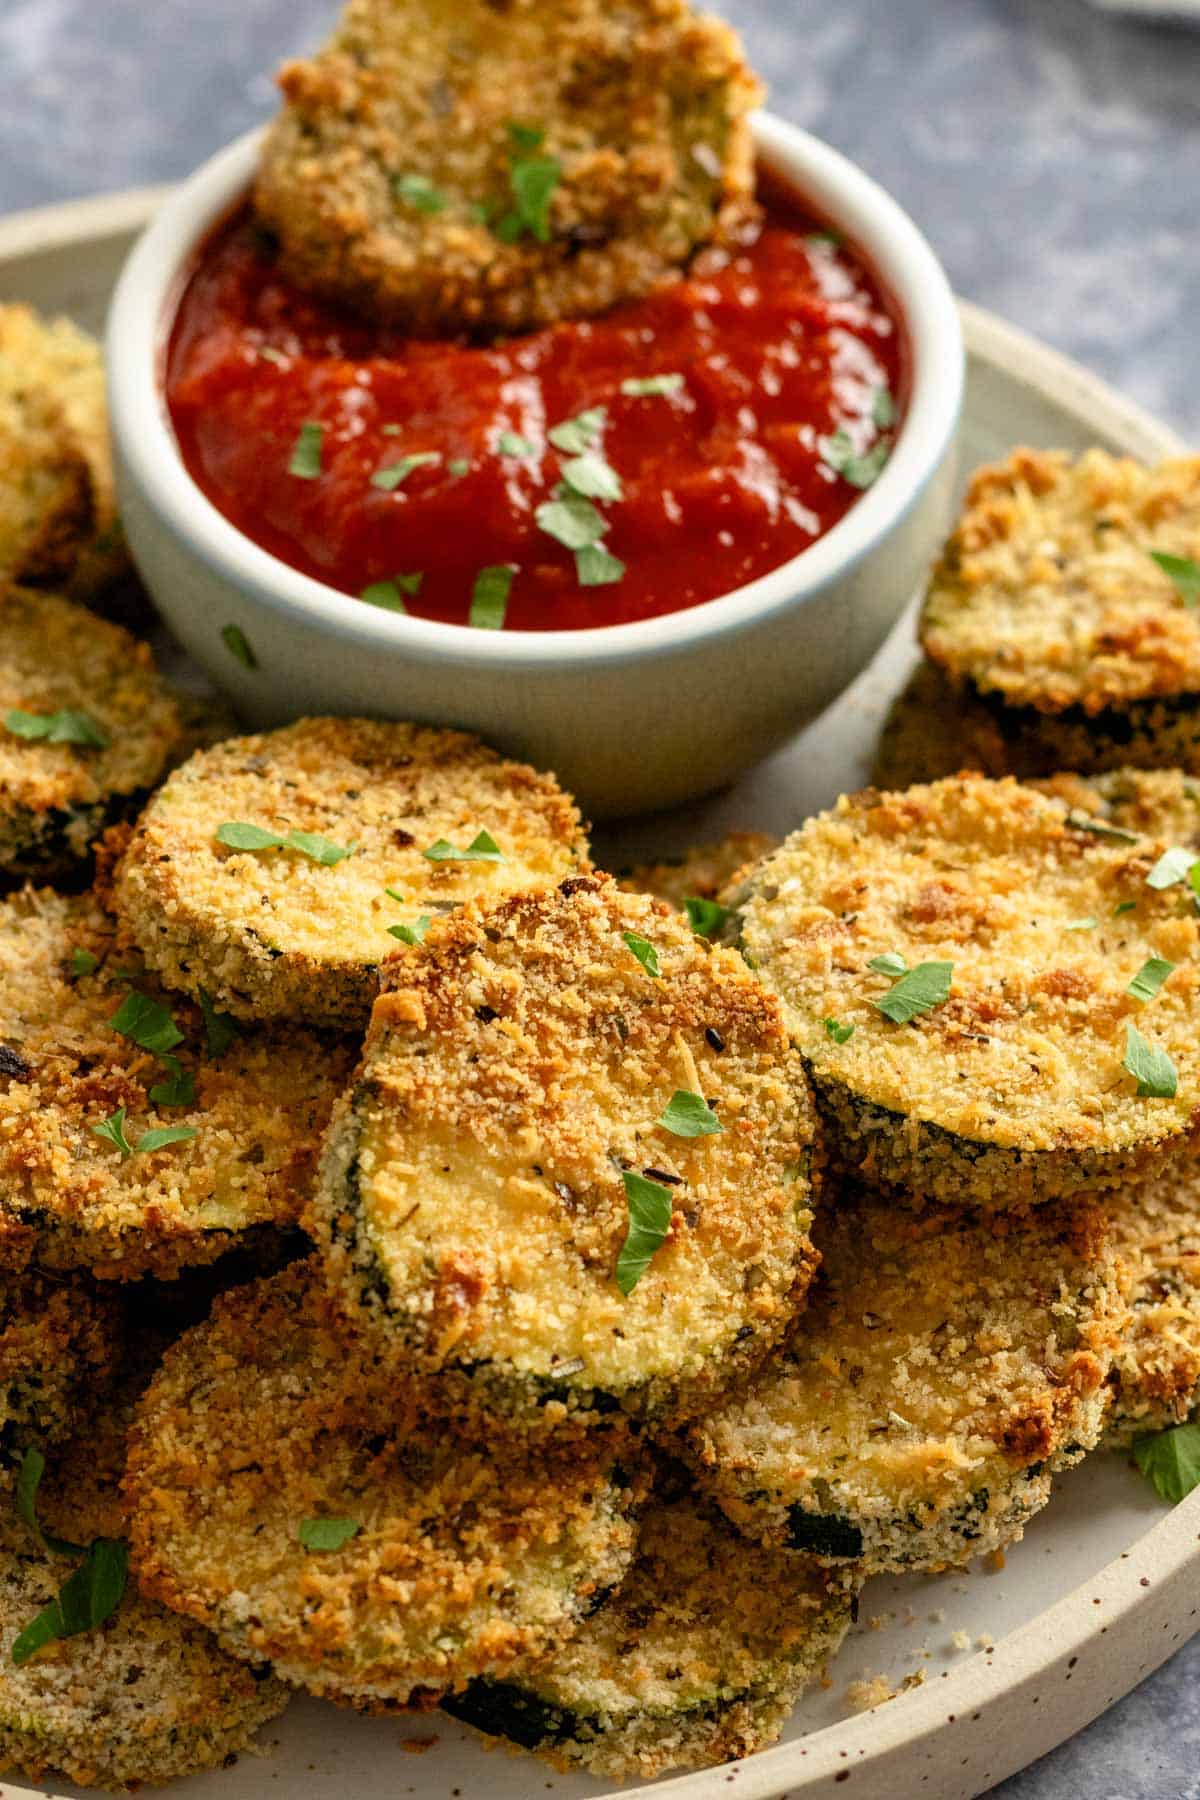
(1150, 977)
(644, 950)
(29, 1479)
(489, 596)
(180, 1090)
(1173, 865)
(220, 1028)
(511, 443)
(917, 991)
(1152, 1069)
(533, 180)
(571, 520)
(113, 1130)
(1088, 924)
(689, 1115)
(86, 1599)
(238, 645)
(385, 594)
(525, 137)
(66, 727)
(83, 962)
(592, 477)
(147, 1023)
(706, 917)
(888, 964)
(457, 466)
(162, 1135)
(1078, 822)
(306, 452)
(824, 240)
(576, 435)
(1124, 906)
(327, 1534)
(645, 386)
(414, 933)
(419, 192)
(238, 835)
(596, 567)
(390, 478)
(650, 1207)
(268, 353)
(482, 848)
(841, 1034)
(1170, 1461)
(883, 409)
(860, 469)
(1183, 571)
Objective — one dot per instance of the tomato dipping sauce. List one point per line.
(714, 429)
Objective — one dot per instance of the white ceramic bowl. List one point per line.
(631, 717)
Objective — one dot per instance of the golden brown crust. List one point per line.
(944, 1365)
(1047, 594)
(1013, 1089)
(700, 873)
(1155, 1226)
(471, 1198)
(276, 934)
(57, 1350)
(644, 107)
(69, 1198)
(275, 1412)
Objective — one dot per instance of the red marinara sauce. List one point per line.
(782, 347)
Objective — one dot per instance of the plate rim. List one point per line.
(1141, 1594)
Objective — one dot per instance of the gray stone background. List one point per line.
(1050, 151)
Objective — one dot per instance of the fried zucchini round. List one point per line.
(1154, 803)
(146, 1696)
(478, 1182)
(1155, 1226)
(280, 933)
(701, 873)
(70, 1197)
(1025, 1080)
(1049, 596)
(57, 1351)
(457, 1554)
(946, 1364)
(467, 165)
(56, 795)
(698, 1657)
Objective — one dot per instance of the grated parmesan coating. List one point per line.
(70, 1199)
(701, 873)
(698, 1658)
(643, 108)
(147, 1696)
(471, 1551)
(1047, 595)
(471, 1200)
(55, 799)
(1013, 1090)
(1155, 1226)
(946, 1364)
(57, 1350)
(1156, 803)
(272, 933)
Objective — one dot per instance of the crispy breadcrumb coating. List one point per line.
(273, 933)
(463, 163)
(1155, 1226)
(469, 1552)
(700, 873)
(58, 1346)
(471, 1200)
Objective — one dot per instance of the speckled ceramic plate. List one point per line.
(991, 1667)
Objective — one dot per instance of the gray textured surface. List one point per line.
(1049, 150)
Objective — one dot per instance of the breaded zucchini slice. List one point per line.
(1008, 1065)
(146, 1696)
(479, 1181)
(698, 1657)
(699, 874)
(1155, 803)
(113, 721)
(274, 1429)
(58, 1346)
(461, 164)
(72, 1196)
(1155, 1226)
(428, 818)
(946, 1364)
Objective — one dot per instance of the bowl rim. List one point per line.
(143, 310)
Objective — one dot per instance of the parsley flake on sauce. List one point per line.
(482, 848)
(706, 917)
(1184, 573)
(571, 520)
(511, 443)
(66, 727)
(389, 594)
(390, 478)
(419, 192)
(237, 834)
(306, 453)
(327, 1534)
(86, 1599)
(238, 645)
(883, 409)
(489, 597)
(644, 951)
(646, 386)
(592, 477)
(917, 991)
(860, 469)
(689, 1115)
(650, 1207)
(576, 435)
(1170, 1461)
(1150, 977)
(596, 567)
(1152, 1069)
(457, 466)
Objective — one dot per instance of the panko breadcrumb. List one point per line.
(946, 1364)
(58, 1346)
(45, 490)
(456, 163)
(472, 1199)
(1155, 803)
(701, 873)
(1155, 1226)
(698, 1658)
(277, 933)
(56, 798)
(458, 1554)
(1014, 1088)
(69, 1197)
(145, 1697)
